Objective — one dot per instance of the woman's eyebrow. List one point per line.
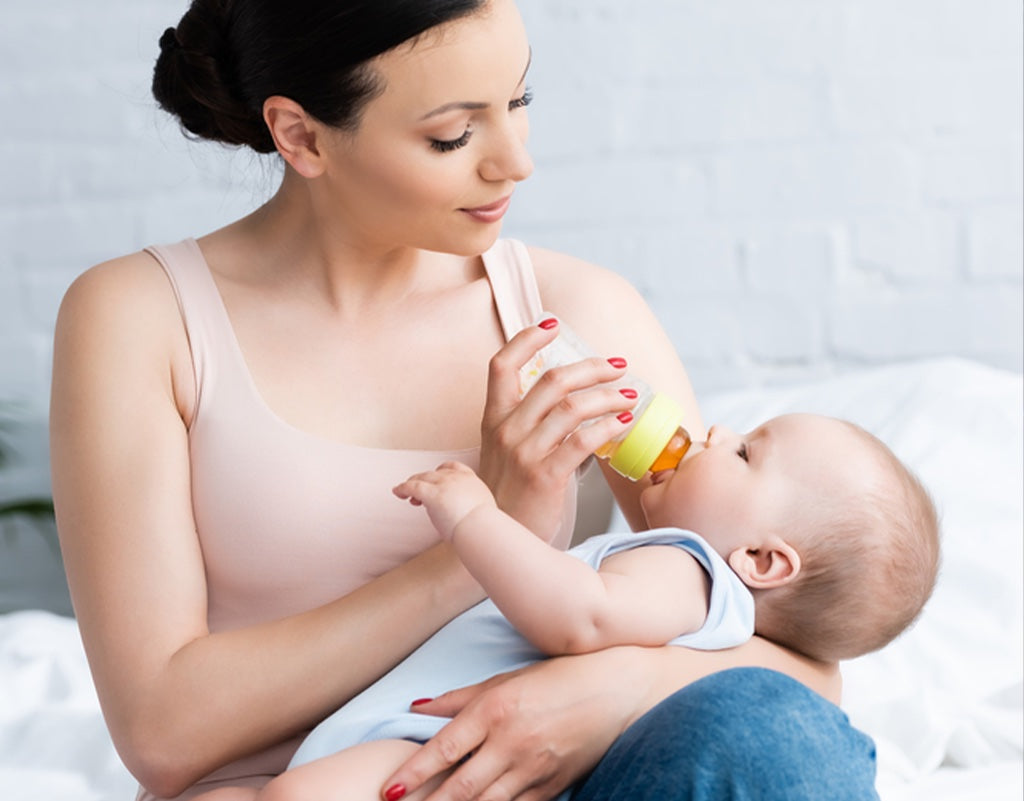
(469, 105)
(462, 105)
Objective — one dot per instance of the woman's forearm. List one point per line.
(659, 672)
(224, 695)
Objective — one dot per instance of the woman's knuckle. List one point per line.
(496, 367)
(463, 786)
(521, 462)
(571, 406)
(501, 708)
(448, 749)
(555, 379)
(496, 792)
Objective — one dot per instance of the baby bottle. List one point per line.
(655, 440)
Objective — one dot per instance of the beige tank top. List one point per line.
(288, 521)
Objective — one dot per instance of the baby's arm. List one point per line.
(642, 596)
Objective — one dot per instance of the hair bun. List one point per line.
(169, 41)
(193, 80)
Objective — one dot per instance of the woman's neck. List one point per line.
(293, 243)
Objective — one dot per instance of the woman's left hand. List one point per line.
(528, 734)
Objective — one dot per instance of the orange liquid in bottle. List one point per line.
(673, 453)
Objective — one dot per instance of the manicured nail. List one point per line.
(617, 362)
(394, 792)
(625, 417)
(548, 324)
(628, 393)
(419, 701)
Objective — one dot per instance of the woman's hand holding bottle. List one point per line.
(531, 445)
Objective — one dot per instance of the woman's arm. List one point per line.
(611, 316)
(179, 700)
(532, 733)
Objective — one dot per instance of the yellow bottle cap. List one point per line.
(648, 437)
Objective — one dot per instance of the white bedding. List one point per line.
(944, 702)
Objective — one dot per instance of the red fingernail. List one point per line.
(615, 361)
(625, 417)
(419, 701)
(394, 792)
(628, 393)
(548, 324)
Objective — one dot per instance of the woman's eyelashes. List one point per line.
(448, 145)
(522, 101)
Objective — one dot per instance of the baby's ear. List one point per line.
(771, 564)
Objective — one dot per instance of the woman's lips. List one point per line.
(490, 213)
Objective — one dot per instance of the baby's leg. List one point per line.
(354, 774)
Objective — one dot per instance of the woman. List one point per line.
(229, 415)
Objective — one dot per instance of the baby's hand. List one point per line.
(450, 493)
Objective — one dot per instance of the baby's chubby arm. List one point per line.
(642, 596)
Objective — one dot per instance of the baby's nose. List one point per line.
(719, 433)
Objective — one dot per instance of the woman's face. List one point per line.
(438, 153)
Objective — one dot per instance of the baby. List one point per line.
(807, 531)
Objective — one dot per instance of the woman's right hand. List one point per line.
(530, 447)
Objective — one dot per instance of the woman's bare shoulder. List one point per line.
(567, 277)
(588, 296)
(122, 317)
(126, 288)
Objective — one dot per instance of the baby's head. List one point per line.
(835, 537)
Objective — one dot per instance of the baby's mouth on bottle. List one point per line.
(662, 475)
(694, 449)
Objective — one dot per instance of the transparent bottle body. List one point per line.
(655, 439)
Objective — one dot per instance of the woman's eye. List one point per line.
(742, 452)
(448, 145)
(521, 102)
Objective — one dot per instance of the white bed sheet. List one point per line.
(943, 702)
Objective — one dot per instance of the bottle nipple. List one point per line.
(674, 452)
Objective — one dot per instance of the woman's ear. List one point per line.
(295, 135)
(772, 564)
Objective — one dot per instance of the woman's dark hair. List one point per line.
(226, 57)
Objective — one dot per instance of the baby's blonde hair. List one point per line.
(869, 561)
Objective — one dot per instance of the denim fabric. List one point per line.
(746, 734)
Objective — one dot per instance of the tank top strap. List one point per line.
(202, 309)
(513, 284)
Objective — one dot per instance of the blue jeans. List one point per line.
(746, 734)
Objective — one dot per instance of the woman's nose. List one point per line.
(508, 159)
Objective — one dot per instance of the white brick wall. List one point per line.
(798, 186)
